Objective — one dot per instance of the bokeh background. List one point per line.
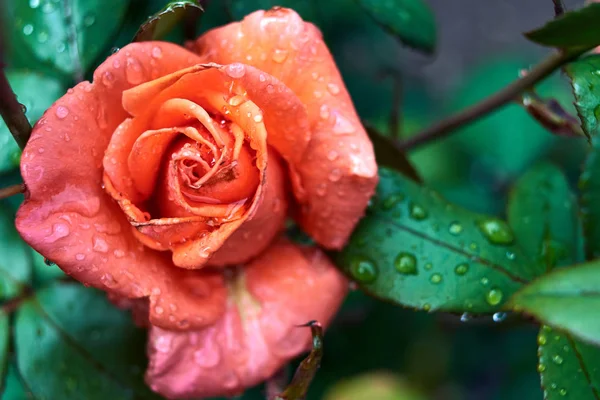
(379, 351)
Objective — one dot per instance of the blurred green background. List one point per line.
(375, 350)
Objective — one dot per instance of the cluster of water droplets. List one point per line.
(555, 359)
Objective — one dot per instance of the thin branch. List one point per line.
(12, 190)
(559, 8)
(493, 102)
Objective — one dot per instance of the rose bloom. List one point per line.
(166, 182)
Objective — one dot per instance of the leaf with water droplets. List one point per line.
(584, 75)
(567, 298)
(65, 36)
(416, 249)
(161, 23)
(36, 92)
(544, 215)
(411, 21)
(572, 30)
(15, 263)
(71, 342)
(569, 368)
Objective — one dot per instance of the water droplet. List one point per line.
(321, 189)
(133, 71)
(417, 212)
(34, 3)
(391, 201)
(494, 297)
(235, 101)
(333, 88)
(332, 155)
(363, 270)
(541, 368)
(473, 246)
(324, 111)
(61, 47)
(406, 264)
(42, 37)
(557, 359)
(100, 244)
(455, 228)
(108, 280)
(258, 118)
(48, 7)
(279, 56)
(426, 307)
(342, 125)
(499, 316)
(156, 52)
(80, 257)
(89, 20)
(59, 230)
(511, 255)
(335, 175)
(163, 344)
(48, 262)
(428, 266)
(435, 278)
(235, 70)
(62, 112)
(461, 269)
(496, 231)
(465, 317)
(114, 50)
(484, 281)
(28, 29)
(562, 391)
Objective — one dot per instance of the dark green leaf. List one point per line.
(166, 19)
(589, 185)
(544, 215)
(388, 156)
(412, 21)
(36, 92)
(585, 79)
(572, 30)
(551, 114)
(71, 343)
(66, 35)
(565, 299)
(4, 343)
(569, 369)
(15, 263)
(13, 386)
(240, 8)
(416, 249)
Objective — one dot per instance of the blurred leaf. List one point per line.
(572, 30)
(67, 36)
(161, 23)
(71, 343)
(307, 369)
(4, 342)
(589, 185)
(566, 299)
(417, 250)
(43, 271)
(544, 215)
(585, 80)
(569, 369)
(411, 21)
(36, 92)
(13, 386)
(552, 116)
(15, 263)
(373, 386)
(306, 8)
(388, 156)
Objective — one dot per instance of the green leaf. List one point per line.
(15, 263)
(4, 342)
(415, 249)
(544, 215)
(67, 36)
(572, 30)
(36, 92)
(411, 21)
(161, 23)
(585, 80)
(44, 270)
(569, 369)
(71, 343)
(565, 299)
(589, 185)
(13, 386)
(240, 8)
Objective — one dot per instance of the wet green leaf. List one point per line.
(67, 36)
(566, 299)
(569, 368)
(585, 80)
(572, 30)
(544, 215)
(15, 263)
(411, 21)
(589, 185)
(161, 23)
(416, 249)
(36, 92)
(71, 343)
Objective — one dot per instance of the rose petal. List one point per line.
(283, 288)
(337, 174)
(68, 217)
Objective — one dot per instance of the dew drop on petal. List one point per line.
(156, 52)
(100, 245)
(279, 56)
(342, 125)
(59, 230)
(333, 88)
(133, 71)
(324, 111)
(235, 70)
(62, 112)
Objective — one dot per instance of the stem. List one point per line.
(12, 190)
(559, 8)
(490, 104)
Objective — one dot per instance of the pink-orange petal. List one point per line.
(284, 287)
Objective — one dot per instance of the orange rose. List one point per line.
(174, 164)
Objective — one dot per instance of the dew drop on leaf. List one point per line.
(406, 264)
(558, 360)
(363, 270)
(455, 228)
(494, 297)
(499, 316)
(461, 269)
(496, 231)
(435, 278)
(417, 212)
(391, 201)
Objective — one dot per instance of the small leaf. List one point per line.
(415, 249)
(572, 30)
(307, 369)
(66, 35)
(15, 263)
(551, 114)
(569, 369)
(585, 79)
(388, 156)
(36, 92)
(565, 299)
(411, 21)
(589, 185)
(161, 23)
(72, 343)
(544, 215)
